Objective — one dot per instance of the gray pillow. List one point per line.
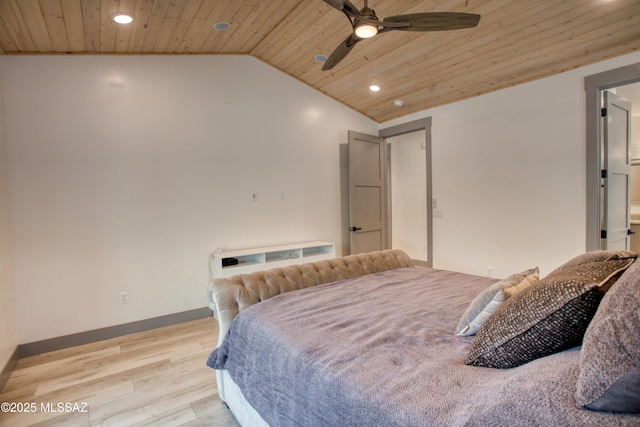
(491, 298)
(546, 318)
(609, 377)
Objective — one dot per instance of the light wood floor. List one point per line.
(157, 377)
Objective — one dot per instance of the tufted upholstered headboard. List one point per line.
(235, 293)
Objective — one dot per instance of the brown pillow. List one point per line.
(549, 317)
(595, 256)
(610, 358)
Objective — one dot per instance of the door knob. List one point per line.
(630, 232)
(355, 228)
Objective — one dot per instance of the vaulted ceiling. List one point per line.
(516, 41)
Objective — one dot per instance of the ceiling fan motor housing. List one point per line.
(367, 12)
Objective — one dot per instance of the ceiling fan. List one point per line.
(366, 24)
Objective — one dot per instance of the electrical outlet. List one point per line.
(124, 297)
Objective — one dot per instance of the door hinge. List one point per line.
(603, 112)
(603, 234)
(603, 173)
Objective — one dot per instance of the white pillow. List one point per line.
(491, 298)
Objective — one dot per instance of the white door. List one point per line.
(616, 172)
(367, 193)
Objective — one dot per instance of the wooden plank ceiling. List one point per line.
(516, 41)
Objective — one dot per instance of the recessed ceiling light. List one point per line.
(320, 58)
(374, 88)
(122, 17)
(398, 103)
(221, 26)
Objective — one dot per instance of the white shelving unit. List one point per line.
(259, 259)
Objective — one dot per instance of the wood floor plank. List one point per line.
(47, 410)
(210, 414)
(56, 368)
(173, 417)
(152, 378)
(64, 420)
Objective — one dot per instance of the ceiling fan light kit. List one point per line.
(366, 25)
(364, 30)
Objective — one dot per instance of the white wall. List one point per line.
(126, 172)
(8, 341)
(409, 194)
(509, 175)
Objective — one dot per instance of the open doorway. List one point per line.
(353, 160)
(622, 81)
(631, 92)
(415, 137)
(407, 186)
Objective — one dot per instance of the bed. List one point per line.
(371, 339)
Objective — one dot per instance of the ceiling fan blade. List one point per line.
(341, 51)
(345, 6)
(435, 21)
(386, 25)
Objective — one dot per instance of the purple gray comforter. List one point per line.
(379, 350)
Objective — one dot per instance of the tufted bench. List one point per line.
(235, 293)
